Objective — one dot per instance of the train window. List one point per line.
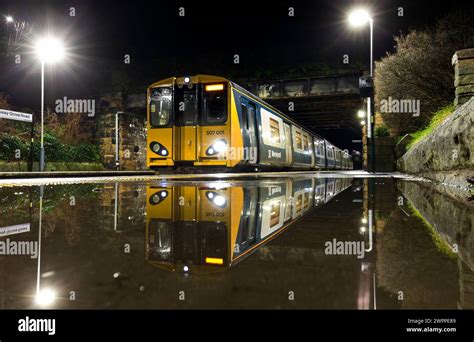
(318, 149)
(275, 214)
(299, 203)
(159, 240)
(214, 106)
(298, 140)
(305, 143)
(275, 131)
(186, 106)
(306, 200)
(160, 106)
(245, 115)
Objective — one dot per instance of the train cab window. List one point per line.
(186, 106)
(275, 131)
(214, 104)
(275, 214)
(160, 106)
(299, 144)
(159, 240)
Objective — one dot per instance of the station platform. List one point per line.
(71, 177)
(55, 174)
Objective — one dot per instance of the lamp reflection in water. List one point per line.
(211, 227)
(44, 296)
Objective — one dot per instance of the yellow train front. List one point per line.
(203, 121)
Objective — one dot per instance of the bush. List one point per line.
(382, 131)
(421, 70)
(9, 145)
(55, 151)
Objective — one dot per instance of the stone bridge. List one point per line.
(319, 103)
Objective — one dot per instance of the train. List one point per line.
(206, 122)
(210, 227)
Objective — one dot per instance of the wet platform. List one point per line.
(131, 176)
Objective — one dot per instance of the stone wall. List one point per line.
(132, 132)
(463, 62)
(449, 147)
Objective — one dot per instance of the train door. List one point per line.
(247, 227)
(252, 130)
(186, 109)
(186, 204)
(249, 126)
(288, 145)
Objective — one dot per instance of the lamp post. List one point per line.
(49, 50)
(357, 18)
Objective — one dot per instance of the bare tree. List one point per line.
(421, 69)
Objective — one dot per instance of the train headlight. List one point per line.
(158, 148)
(157, 197)
(155, 147)
(218, 146)
(217, 199)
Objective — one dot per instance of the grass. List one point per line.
(6, 166)
(439, 242)
(437, 119)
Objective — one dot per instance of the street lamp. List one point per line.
(360, 17)
(49, 50)
(361, 114)
(357, 18)
(9, 18)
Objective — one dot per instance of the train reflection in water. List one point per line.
(205, 228)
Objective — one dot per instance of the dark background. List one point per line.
(204, 41)
(161, 44)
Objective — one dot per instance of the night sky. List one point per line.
(204, 41)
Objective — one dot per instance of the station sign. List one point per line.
(18, 116)
(16, 229)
